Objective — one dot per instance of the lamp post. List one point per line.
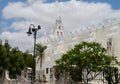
(33, 30)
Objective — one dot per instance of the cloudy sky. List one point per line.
(17, 15)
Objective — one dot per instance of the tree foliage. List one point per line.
(40, 51)
(112, 75)
(3, 60)
(86, 56)
(13, 60)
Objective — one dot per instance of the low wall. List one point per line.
(4, 79)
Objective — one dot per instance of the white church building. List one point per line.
(58, 43)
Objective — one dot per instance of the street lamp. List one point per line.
(33, 30)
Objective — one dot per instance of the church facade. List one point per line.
(58, 43)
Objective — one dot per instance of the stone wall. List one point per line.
(4, 79)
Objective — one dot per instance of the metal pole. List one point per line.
(33, 30)
(34, 56)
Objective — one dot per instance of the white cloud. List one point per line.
(20, 40)
(75, 14)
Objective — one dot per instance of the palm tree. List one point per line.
(40, 52)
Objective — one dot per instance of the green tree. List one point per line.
(40, 52)
(3, 59)
(17, 62)
(29, 60)
(7, 45)
(13, 60)
(111, 74)
(89, 57)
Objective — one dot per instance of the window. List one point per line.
(59, 27)
(47, 69)
(109, 44)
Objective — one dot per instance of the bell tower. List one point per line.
(58, 30)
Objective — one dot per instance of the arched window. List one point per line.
(59, 27)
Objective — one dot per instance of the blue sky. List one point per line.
(16, 15)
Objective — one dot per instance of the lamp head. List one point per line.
(29, 32)
(39, 27)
